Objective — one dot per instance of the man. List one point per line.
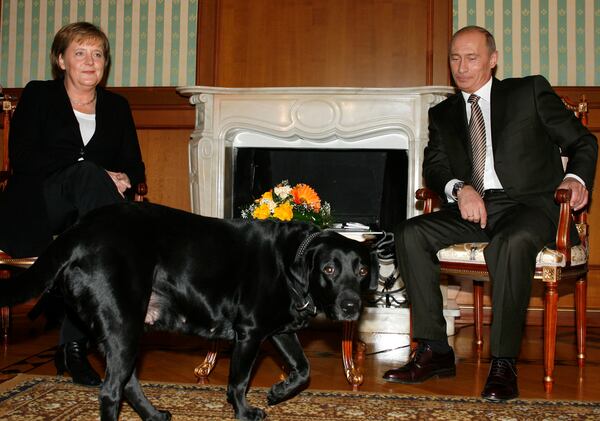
(495, 157)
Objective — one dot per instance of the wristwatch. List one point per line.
(456, 188)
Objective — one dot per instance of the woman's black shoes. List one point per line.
(72, 358)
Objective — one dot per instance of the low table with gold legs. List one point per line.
(353, 363)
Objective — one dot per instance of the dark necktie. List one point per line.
(477, 136)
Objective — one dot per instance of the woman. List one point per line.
(73, 148)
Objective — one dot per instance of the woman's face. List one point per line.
(83, 63)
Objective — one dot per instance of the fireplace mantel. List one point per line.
(301, 117)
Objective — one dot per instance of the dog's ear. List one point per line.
(301, 267)
(299, 273)
(373, 278)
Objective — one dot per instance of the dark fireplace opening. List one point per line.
(362, 185)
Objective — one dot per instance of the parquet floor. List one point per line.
(172, 358)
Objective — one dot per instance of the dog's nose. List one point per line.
(349, 306)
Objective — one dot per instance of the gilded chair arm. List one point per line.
(427, 196)
(23, 262)
(140, 192)
(563, 240)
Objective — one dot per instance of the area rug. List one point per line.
(40, 398)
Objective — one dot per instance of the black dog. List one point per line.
(126, 265)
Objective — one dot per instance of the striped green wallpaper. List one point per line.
(153, 42)
(559, 39)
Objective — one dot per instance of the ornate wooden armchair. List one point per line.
(564, 263)
(7, 109)
(6, 261)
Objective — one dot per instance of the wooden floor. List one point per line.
(172, 358)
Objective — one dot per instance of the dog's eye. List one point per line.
(363, 271)
(328, 270)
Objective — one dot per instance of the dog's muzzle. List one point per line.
(347, 307)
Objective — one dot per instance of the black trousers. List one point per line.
(69, 194)
(516, 233)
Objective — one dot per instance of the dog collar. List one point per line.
(308, 302)
(304, 244)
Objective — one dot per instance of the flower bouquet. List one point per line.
(287, 203)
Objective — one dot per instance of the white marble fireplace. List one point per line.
(328, 118)
(316, 118)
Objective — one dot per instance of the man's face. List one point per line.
(471, 62)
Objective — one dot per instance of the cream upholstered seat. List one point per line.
(473, 252)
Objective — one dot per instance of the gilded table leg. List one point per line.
(203, 370)
(353, 371)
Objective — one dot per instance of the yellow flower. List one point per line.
(268, 195)
(284, 212)
(261, 212)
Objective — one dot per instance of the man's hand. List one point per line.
(471, 205)
(579, 194)
(121, 180)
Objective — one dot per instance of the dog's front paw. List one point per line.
(285, 390)
(161, 416)
(251, 414)
(277, 394)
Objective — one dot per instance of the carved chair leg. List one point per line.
(5, 316)
(550, 317)
(580, 310)
(352, 371)
(5, 311)
(203, 370)
(478, 314)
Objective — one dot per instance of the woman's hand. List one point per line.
(121, 180)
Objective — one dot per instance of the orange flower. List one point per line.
(284, 212)
(304, 194)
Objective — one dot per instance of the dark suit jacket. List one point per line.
(530, 128)
(44, 138)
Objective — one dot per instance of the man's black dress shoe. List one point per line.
(501, 384)
(422, 365)
(72, 357)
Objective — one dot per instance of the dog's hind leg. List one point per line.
(135, 396)
(119, 369)
(293, 355)
(121, 381)
(242, 360)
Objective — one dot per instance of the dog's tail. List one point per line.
(30, 283)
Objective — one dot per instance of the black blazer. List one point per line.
(530, 128)
(44, 138)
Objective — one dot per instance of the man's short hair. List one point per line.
(489, 38)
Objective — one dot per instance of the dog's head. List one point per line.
(337, 270)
